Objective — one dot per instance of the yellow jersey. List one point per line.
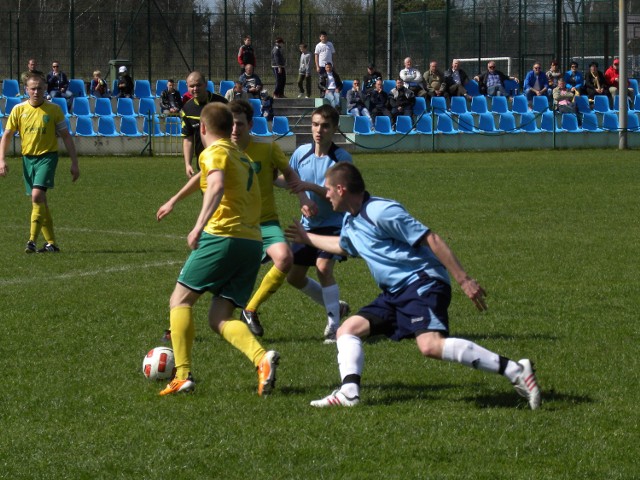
(37, 127)
(268, 158)
(238, 214)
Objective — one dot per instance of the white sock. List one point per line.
(350, 362)
(313, 290)
(331, 297)
(470, 354)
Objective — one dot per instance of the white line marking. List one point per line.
(111, 232)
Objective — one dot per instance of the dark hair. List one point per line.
(593, 64)
(348, 175)
(279, 40)
(171, 80)
(242, 107)
(573, 63)
(329, 113)
(322, 32)
(303, 45)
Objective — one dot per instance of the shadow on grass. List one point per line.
(478, 338)
(551, 400)
(112, 251)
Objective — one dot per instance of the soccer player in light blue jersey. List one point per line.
(411, 264)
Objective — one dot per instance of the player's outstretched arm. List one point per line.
(192, 185)
(469, 285)
(297, 234)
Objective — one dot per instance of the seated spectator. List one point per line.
(58, 84)
(535, 83)
(266, 105)
(98, 87)
(170, 100)
(236, 93)
(611, 76)
(378, 101)
(370, 79)
(455, 80)
(401, 101)
(356, 105)
(574, 79)
(412, 78)
(594, 83)
(491, 82)
(125, 83)
(434, 82)
(330, 86)
(251, 82)
(553, 74)
(563, 98)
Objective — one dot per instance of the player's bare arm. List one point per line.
(71, 149)
(4, 145)
(296, 233)
(192, 185)
(210, 201)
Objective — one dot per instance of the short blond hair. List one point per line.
(97, 73)
(218, 118)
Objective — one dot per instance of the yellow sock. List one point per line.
(237, 333)
(47, 227)
(269, 285)
(183, 332)
(38, 217)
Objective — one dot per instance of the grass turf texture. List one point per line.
(551, 235)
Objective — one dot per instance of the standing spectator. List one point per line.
(39, 124)
(378, 101)
(304, 72)
(324, 52)
(491, 82)
(434, 82)
(98, 87)
(370, 79)
(125, 83)
(455, 79)
(278, 64)
(330, 85)
(611, 75)
(574, 79)
(412, 78)
(356, 105)
(251, 83)
(32, 68)
(594, 83)
(401, 100)
(190, 114)
(170, 100)
(236, 93)
(535, 83)
(246, 56)
(58, 84)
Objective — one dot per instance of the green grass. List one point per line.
(553, 236)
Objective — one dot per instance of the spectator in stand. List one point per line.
(563, 98)
(304, 72)
(278, 63)
(378, 101)
(236, 93)
(246, 56)
(611, 76)
(491, 82)
(574, 79)
(595, 84)
(356, 105)
(266, 105)
(435, 83)
(401, 100)
(535, 83)
(98, 87)
(170, 100)
(58, 84)
(251, 83)
(324, 53)
(330, 85)
(553, 74)
(125, 83)
(412, 78)
(370, 79)
(455, 80)
(32, 69)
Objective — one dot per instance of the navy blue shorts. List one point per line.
(307, 255)
(419, 307)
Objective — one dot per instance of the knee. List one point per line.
(431, 347)
(284, 261)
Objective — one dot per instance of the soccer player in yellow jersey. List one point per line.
(226, 249)
(39, 123)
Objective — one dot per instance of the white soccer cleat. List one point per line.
(330, 334)
(527, 385)
(336, 399)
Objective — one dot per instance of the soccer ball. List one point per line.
(159, 364)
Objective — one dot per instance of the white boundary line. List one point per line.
(110, 232)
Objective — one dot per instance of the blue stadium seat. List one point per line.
(472, 88)
(62, 103)
(156, 127)
(479, 105)
(182, 87)
(616, 103)
(114, 88)
(225, 85)
(257, 106)
(540, 103)
(346, 86)
(10, 88)
(466, 123)
(444, 124)
(528, 123)
(124, 107)
(103, 107)
(582, 103)
(512, 87)
(388, 85)
(211, 87)
(633, 83)
(487, 122)
(82, 107)
(404, 125)
(610, 122)
(548, 121)
(507, 123)
(84, 127)
(439, 105)
(633, 125)
(420, 106)
(147, 106)
(520, 105)
(280, 126)
(459, 105)
(362, 126)
(590, 122)
(161, 86)
(499, 105)
(142, 89)
(107, 127)
(425, 125)
(77, 87)
(260, 127)
(570, 123)
(382, 125)
(173, 126)
(129, 127)
(12, 102)
(601, 104)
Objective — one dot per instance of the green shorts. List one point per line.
(271, 234)
(227, 267)
(39, 171)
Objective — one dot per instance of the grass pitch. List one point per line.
(551, 235)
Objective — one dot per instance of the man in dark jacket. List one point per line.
(491, 82)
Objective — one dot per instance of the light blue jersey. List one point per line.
(389, 240)
(311, 168)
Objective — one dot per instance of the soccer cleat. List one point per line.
(166, 336)
(30, 247)
(49, 248)
(345, 309)
(179, 386)
(330, 334)
(526, 384)
(253, 321)
(267, 372)
(336, 399)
